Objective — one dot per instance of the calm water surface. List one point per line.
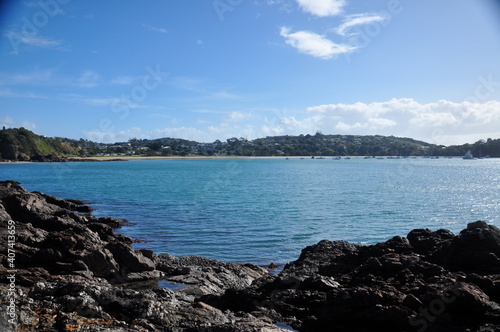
(267, 210)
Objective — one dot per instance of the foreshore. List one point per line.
(64, 269)
(133, 158)
(137, 158)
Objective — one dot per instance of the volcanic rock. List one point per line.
(73, 272)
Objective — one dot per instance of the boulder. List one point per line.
(423, 282)
(475, 249)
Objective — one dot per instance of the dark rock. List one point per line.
(426, 242)
(475, 249)
(73, 272)
(399, 285)
(112, 222)
(207, 276)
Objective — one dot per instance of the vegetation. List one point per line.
(22, 144)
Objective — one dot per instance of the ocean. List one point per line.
(266, 210)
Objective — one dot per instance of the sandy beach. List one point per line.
(132, 158)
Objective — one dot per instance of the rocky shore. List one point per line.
(68, 270)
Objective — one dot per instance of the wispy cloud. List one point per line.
(20, 41)
(313, 44)
(123, 80)
(351, 21)
(201, 88)
(88, 79)
(8, 93)
(285, 5)
(114, 103)
(155, 29)
(34, 77)
(322, 8)
(238, 116)
(8, 120)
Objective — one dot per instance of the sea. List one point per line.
(266, 210)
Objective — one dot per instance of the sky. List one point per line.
(109, 71)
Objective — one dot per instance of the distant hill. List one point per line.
(20, 144)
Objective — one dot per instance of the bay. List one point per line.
(266, 210)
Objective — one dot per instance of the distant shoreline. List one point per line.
(132, 158)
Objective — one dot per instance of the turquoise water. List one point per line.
(267, 210)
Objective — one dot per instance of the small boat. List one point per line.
(468, 155)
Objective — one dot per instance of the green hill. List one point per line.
(19, 144)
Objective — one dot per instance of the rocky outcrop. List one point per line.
(429, 281)
(73, 272)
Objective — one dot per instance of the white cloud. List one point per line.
(358, 19)
(238, 116)
(88, 79)
(223, 95)
(114, 103)
(314, 44)
(441, 122)
(434, 119)
(8, 120)
(155, 29)
(322, 8)
(36, 77)
(381, 122)
(123, 80)
(29, 125)
(8, 93)
(19, 40)
(284, 5)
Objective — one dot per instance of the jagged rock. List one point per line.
(76, 272)
(207, 276)
(73, 272)
(403, 284)
(427, 242)
(476, 248)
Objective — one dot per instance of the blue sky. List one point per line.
(214, 69)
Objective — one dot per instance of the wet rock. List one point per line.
(207, 276)
(418, 283)
(73, 272)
